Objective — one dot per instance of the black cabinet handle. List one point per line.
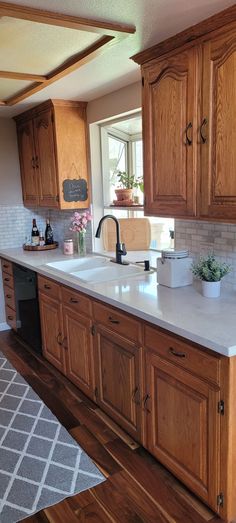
(136, 396)
(203, 138)
(6, 279)
(188, 140)
(176, 353)
(59, 339)
(10, 318)
(145, 400)
(47, 286)
(5, 266)
(8, 296)
(112, 320)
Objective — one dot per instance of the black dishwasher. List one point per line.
(27, 306)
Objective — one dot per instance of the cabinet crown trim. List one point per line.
(217, 21)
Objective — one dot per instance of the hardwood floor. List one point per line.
(137, 490)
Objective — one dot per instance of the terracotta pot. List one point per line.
(124, 194)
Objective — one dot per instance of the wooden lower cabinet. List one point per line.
(183, 425)
(52, 333)
(117, 372)
(78, 345)
(171, 395)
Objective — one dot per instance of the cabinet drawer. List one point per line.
(76, 301)
(183, 354)
(9, 297)
(11, 317)
(7, 280)
(118, 322)
(7, 267)
(49, 287)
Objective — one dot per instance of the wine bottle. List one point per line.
(35, 233)
(48, 233)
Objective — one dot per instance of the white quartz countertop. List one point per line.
(183, 311)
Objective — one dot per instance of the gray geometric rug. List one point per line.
(40, 463)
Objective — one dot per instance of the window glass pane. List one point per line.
(117, 150)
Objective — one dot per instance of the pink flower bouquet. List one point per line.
(79, 221)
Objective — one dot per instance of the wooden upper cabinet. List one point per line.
(218, 153)
(170, 95)
(55, 154)
(45, 160)
(29, 179)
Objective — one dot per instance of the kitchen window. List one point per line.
(122, 150)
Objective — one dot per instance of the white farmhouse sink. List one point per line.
(112, 271)
(96, 269)
(80, 264)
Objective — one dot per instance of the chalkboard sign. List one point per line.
(75, 190)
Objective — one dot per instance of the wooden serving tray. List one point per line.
(39, 247)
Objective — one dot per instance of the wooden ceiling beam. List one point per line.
(59, 19)
(69, 66)
(22, 76)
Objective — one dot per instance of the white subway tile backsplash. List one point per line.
(204, 237)
(16, 225)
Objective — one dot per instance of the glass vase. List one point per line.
(81, 243)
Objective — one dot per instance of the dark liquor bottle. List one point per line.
(48, 234)
(35, 233)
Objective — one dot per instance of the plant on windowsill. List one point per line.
(126, 184)
(210, 271)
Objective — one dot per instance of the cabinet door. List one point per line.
(170, 96)
(27, 163)
(183, 426)
(45, 159)
(52, 333)
(218, 152)
(78, 343)
(117, 369)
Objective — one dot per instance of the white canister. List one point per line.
(68, 246)
(174, 272)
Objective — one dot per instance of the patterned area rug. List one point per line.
(40, 463)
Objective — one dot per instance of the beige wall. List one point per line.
(116, 103)
(10, 184)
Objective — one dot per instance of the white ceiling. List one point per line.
(155, 20)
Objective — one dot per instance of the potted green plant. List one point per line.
(210, 271)
(126, 183)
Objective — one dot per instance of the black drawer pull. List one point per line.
(176, 353)
(6, 279)
(112, 320)
(8, 296)
(47, 286)
(10, 318)
(73, 300)
(6, 266)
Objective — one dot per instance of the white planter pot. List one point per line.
(211, 289)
